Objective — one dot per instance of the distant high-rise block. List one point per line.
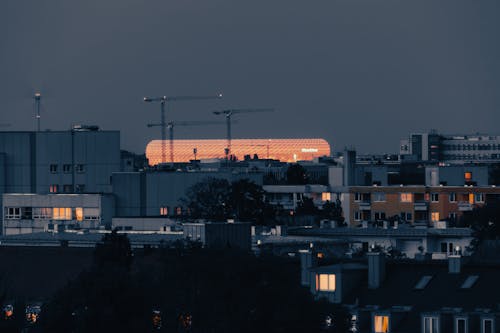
(286, 150)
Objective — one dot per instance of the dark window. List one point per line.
(487, 326)
(66, 168)
(67, 188)
(461, 322)
(53, 168)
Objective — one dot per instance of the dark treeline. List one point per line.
(181, 288)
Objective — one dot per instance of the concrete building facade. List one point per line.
(74, 161)
(31, 213)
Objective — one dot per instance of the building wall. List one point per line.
(96, 211)
(424, 201)
(33, 161)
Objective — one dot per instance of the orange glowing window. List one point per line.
(406, 197)
(326, 196)
(325, 282)
(468, 176)
(79, 213)
(163, 211)
(435, 216)
(471, 198)
(61, 213)
(381, 324)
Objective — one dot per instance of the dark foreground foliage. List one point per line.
(184, 289)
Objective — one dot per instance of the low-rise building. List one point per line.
(31, 213)
(414, 204)
(409, 242)
(234, 235)
(410, 297)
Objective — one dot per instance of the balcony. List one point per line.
(464, 206)
(421, 206)
(365, 205)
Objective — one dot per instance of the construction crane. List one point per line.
(228, 114)
(163, 124)
(172, 124)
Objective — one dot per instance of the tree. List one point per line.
(333, 211)
(484, 220)
(113, 250)
(208, 199)
(217, 200)
(306, 207)
(296, 175)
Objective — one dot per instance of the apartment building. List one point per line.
(416, 204)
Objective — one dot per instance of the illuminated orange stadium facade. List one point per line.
(286, 150)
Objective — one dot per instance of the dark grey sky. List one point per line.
(361, 73)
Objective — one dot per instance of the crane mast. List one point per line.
(228, 114)
(163, 121)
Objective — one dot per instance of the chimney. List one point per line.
(307, 261)
(454, 263)
(376, 269)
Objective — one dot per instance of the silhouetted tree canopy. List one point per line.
(194, 290)
(296, 175)
(217, 200)
(484, 220)
(333, 211)
(306, 207)
(208, 199)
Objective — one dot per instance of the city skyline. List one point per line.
(360, 74)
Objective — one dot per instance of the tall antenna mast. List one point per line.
(37, 97)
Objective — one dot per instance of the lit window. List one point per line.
(487, 326)
(406, 197)
(434, 197)
(435, 216)
(59, 213)
(326, 196)
(460, 325)
(471, 198)
(479, 197)
(178, 210)
(53, 168)
(381, 324)
(163, 211)
(453, 197)
(79, 213)
(431, 325)
(42, 213)
(468, 176)
(54, 188)
(325, 282)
